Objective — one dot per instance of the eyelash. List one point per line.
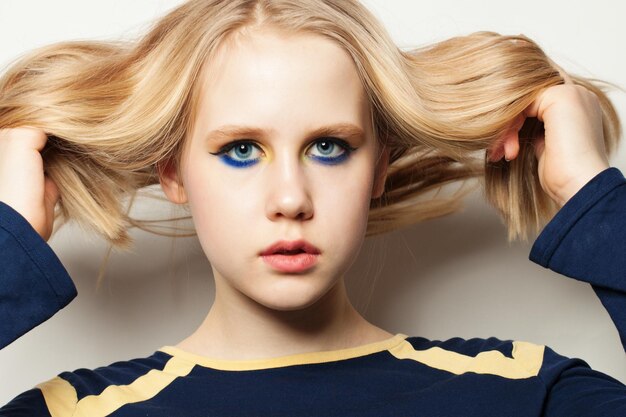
(224, 150)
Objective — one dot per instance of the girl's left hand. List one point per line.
(572, 150)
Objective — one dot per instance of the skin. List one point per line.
(572, 150)
(23, 185)
(293, 85)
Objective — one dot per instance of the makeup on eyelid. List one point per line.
(224, 152)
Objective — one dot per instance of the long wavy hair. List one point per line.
(116, 112)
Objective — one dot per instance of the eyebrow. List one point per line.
(345, 130)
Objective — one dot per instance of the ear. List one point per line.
(380, 175)
(170, 183)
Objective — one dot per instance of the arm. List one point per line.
(586, 240)
(28, 404)
(574, 389)
(34, 285)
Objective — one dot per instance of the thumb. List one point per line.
(507, 145)
(51, 196)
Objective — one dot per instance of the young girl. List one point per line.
(292, 129)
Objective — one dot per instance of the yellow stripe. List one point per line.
(290, 360)
(60, 397)
(526, 361)
(141, 389)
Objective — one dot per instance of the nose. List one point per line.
(289, 193)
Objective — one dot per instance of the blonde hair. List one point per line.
(116, 112)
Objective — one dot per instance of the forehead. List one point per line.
(281, 82)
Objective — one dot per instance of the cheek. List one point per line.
(224, 211)
(221, 214)
(344, 206)
(348, 218)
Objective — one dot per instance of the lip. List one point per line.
(294, 263)
(290, 246)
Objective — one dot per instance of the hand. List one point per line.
(23, 185)
(572, 151)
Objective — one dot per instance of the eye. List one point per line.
(244, 153)
(236, 153)
(332, 151)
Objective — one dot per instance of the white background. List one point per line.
(455, 276)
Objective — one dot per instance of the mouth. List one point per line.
(291, 257)
(288, 252)
(285, 247)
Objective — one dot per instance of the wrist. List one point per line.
(566, 192)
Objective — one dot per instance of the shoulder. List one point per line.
(101, 389)
(29, 403)
(94, 381)
(511, 359)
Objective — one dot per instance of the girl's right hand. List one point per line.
(23, 184)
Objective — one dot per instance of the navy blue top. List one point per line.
(401, 376)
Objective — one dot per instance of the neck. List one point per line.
(248, 330)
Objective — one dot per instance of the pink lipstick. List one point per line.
(291, 256)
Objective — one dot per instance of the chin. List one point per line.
(290, 297)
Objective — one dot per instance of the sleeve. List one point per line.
(34, 285)
(574, 389)
(586, 240)
(28, 404)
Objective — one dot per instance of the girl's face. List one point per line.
(255, 171)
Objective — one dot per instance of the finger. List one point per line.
(511, 146)
(539, 146)
(537, 107)
(37, 137)
(495, 153)
(51, 195)
(508, 141)
(33, 137)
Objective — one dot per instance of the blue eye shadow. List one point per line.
(333, 161)
(237, 164)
